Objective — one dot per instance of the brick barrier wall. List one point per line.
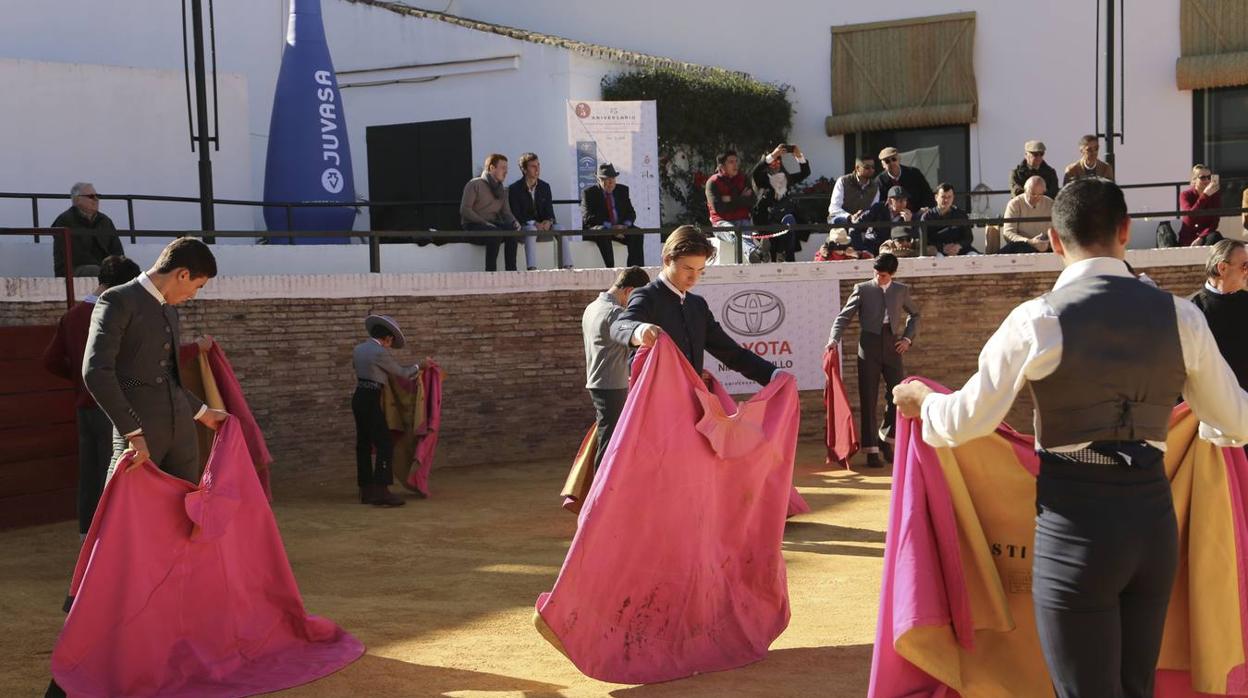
(514, 360)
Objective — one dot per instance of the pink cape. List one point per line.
(839, 434)
(232, 395)
(427, 441)
(186, 591)
(925, 583)
(676, 565)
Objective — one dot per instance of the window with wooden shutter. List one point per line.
(1213, 39)
(910, 73)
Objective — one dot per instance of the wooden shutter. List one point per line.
(910, 73)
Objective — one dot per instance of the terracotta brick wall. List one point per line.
(515, 365)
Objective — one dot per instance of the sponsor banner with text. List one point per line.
(785, 322)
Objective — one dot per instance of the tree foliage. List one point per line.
(700, 114)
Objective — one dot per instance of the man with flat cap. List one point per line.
(606, 206)
(1033, 165)
(373, 362)
(895, 174)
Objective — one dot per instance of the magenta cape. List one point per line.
(427, 440)
(839, 433)
(955, 618)
(186, 591)
(234, 403)
(676, 566)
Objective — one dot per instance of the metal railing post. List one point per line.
(130, 217)
(374, 252)
(740, 247)
(34, 213)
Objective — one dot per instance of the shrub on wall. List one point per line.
(700, 114)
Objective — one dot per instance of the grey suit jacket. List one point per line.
(131, 361)
(869, 301)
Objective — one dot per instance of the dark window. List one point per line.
(1220, 135)
(426, 161)
(953, 143)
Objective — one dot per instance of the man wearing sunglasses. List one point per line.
(92, 234)
(895, 174)
(1204, 194)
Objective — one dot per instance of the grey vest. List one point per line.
(857, 197)
(1122, 364)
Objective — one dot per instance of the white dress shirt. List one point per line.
(1028, 347)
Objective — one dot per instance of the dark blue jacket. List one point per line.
(691, 326)
(522, 205)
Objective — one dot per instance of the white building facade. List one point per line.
(96, 93)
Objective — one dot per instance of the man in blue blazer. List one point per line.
(665, 305)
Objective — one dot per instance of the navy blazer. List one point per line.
(539, 207)
(594, 206)
(691, 326)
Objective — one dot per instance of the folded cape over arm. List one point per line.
(955, 603)
(184, 590)
(676, 565)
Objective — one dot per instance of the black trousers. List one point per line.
(634, 243)
(1106, 550)
(608, 403)
(95, 453)
(371, 433)
(877, 356)
(509, 245)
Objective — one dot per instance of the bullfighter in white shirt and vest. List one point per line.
(1106, 357)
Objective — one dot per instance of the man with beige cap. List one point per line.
(895, 174)
(1033, 165)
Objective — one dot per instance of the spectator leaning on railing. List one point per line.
(1205, 193)
(1028, 236)
(729, 199)
(485, 206)
(88, 250)
(953, 239)
(854, 193)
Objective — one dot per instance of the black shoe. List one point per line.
(886, 451)
(873, 461)
(385, 498)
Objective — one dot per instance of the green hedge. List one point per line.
(700, 114)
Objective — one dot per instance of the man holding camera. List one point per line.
(774, 185)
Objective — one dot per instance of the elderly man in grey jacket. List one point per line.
(882, 340)
(131, 362)
(606, 361)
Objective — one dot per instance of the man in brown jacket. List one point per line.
(1087, 165)
(485, 206)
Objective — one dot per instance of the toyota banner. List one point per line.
(785, 322)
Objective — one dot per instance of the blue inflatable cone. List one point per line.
(309, 159)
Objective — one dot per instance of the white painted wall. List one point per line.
(1034, 69)
(125, 130)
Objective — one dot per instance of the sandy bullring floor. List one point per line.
(442, 591)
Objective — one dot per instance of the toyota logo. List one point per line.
(753, 313)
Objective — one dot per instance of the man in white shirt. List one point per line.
(1105, 356)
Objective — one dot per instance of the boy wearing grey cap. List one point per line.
(373, 362)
